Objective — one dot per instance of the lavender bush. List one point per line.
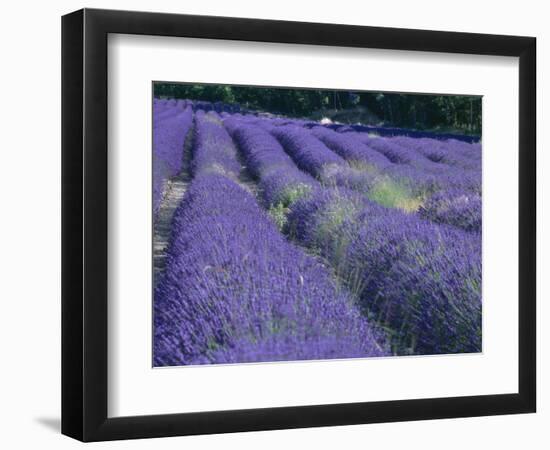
(168, 145)
(313, 156)
(454, 207)
(215, 151)
(280, 181)
(350, 147)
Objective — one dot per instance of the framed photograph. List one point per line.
(273, 224)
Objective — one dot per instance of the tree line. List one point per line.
(418, 111)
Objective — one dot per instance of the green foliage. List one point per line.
(392, 194)
(278, 214)
(436, 112)
(294, 192)
(280, 211)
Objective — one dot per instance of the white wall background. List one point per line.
(30, 225)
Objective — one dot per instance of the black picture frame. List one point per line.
(84, 224)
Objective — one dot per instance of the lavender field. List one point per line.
(281, 239)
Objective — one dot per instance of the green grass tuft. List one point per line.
(394, 195)
(293, 193)
(278, 214)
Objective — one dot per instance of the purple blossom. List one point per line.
(309, 154)
(280, 181)
(454, 207)
(314, 157)
(421, 280)
(453, 153)
(214, 148)
(235, 290)
(168, 144)
(349, 147)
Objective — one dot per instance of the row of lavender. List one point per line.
(171, 125)
(439, 180)
(393, 131)
(234, 289)
(420, 280)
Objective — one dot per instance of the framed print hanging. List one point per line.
(273, 224)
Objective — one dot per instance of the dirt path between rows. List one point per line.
(174, 192)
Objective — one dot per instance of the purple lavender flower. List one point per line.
(309, 154)
(349, 147)
(421, 280)
(235, 290)
(453, 153)
(454, 207)
(314, 157)
(216, 153)
(280, 181)
(169, 136)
